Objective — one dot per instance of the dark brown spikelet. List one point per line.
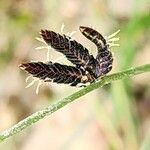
(93, 36)
(74, 51)
(55, 72)
(104, 57)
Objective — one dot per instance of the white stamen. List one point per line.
(44, 47)
(38, 87)
(72, 33)
(28, 78)
(113, 44)
(114, 34)
(113, 40)
(48, 54)
(31, 83)
(40, 40)
(41, 47)
(59, 58)
(62, 28)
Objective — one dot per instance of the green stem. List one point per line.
(59, 104)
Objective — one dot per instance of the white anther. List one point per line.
(112, 44)
(40, 40)
(71, 33)
(113, 39)
(41, 47)
(28, 78)
(59, 58)
(114, 34)
(38, 87)
(62, 28)
(31, 83)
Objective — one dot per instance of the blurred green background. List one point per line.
(115, 117)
